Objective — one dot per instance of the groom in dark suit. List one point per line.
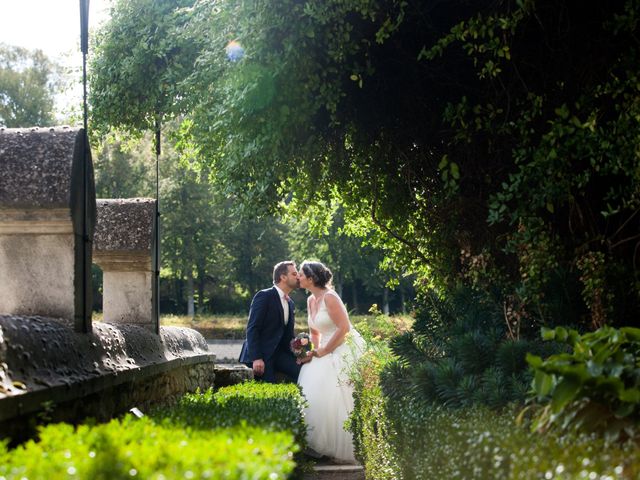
(270, 327)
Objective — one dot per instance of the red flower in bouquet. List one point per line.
(301, 344)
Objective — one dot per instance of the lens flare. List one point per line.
(234, 51)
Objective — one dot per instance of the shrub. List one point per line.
(594, 387)
(372, 432)
(406, 438)
(140, 448)
(378, 326)
(275, 407)
(244, 431)
(459, 354)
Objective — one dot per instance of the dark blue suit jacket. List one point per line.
(266, 331)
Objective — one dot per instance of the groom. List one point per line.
(270, 327)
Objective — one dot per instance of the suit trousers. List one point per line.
(282, 361)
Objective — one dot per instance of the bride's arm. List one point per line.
(338, 315)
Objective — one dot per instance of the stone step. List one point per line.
(336, 472)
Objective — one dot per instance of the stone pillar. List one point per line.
(41, 224)
(122, 246)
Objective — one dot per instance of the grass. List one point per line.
(232, 327)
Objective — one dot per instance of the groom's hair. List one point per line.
(280, 269)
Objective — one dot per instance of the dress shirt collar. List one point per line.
(280, 292)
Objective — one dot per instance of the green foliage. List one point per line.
(378, 326)
(402, 438)
(595, 387)
(214, 259)
(124, 167)
(271, 407)
(249, 430)
(459, 354)
(506, 181)
(139, 57)
(372, 432)
(142, 448)
(27, 84)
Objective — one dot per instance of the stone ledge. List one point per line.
(122, 261)
(40, 221)
(38, 354)
(33, 401)
(228, 374)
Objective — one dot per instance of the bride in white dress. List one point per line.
(325, 379)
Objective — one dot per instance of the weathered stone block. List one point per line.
(123, 246)
(43, 202)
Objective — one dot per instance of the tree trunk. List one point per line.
(338, 284)
(178, 293)
(385, 301)
(191, 310)
(403, 308)
(201, 283)
(354, 293)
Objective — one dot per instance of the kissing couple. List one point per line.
(323, 374)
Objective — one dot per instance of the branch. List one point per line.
(624, 240)
(624, 224)
(395, 235)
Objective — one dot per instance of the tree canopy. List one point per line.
(27, 86)
(488, 143)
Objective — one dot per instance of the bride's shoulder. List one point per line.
(332, 296)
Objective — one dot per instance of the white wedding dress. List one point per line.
(326, 386)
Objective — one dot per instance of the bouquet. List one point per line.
(301, 344)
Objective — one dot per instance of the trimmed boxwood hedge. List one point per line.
(241, 432)
(271, 406)
(409, 439)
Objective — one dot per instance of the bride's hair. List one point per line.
(319, 274)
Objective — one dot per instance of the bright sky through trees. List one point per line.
(54, 27)
(51, 25)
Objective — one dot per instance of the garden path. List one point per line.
(227, 351)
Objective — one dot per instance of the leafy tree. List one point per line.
(27, 87)
(355, 264)
(139, 57)
(124, 166)
(489, 143)
(485, 142)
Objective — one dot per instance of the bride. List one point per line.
(325, 379)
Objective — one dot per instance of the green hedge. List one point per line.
(407, 439)
(271, 406)
(242, 432)
(140, 448)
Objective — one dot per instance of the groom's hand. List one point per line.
(305, 359)
(258, 367)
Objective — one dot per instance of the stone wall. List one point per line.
(111, 396)
(47, 367)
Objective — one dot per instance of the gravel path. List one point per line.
(227, 351)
